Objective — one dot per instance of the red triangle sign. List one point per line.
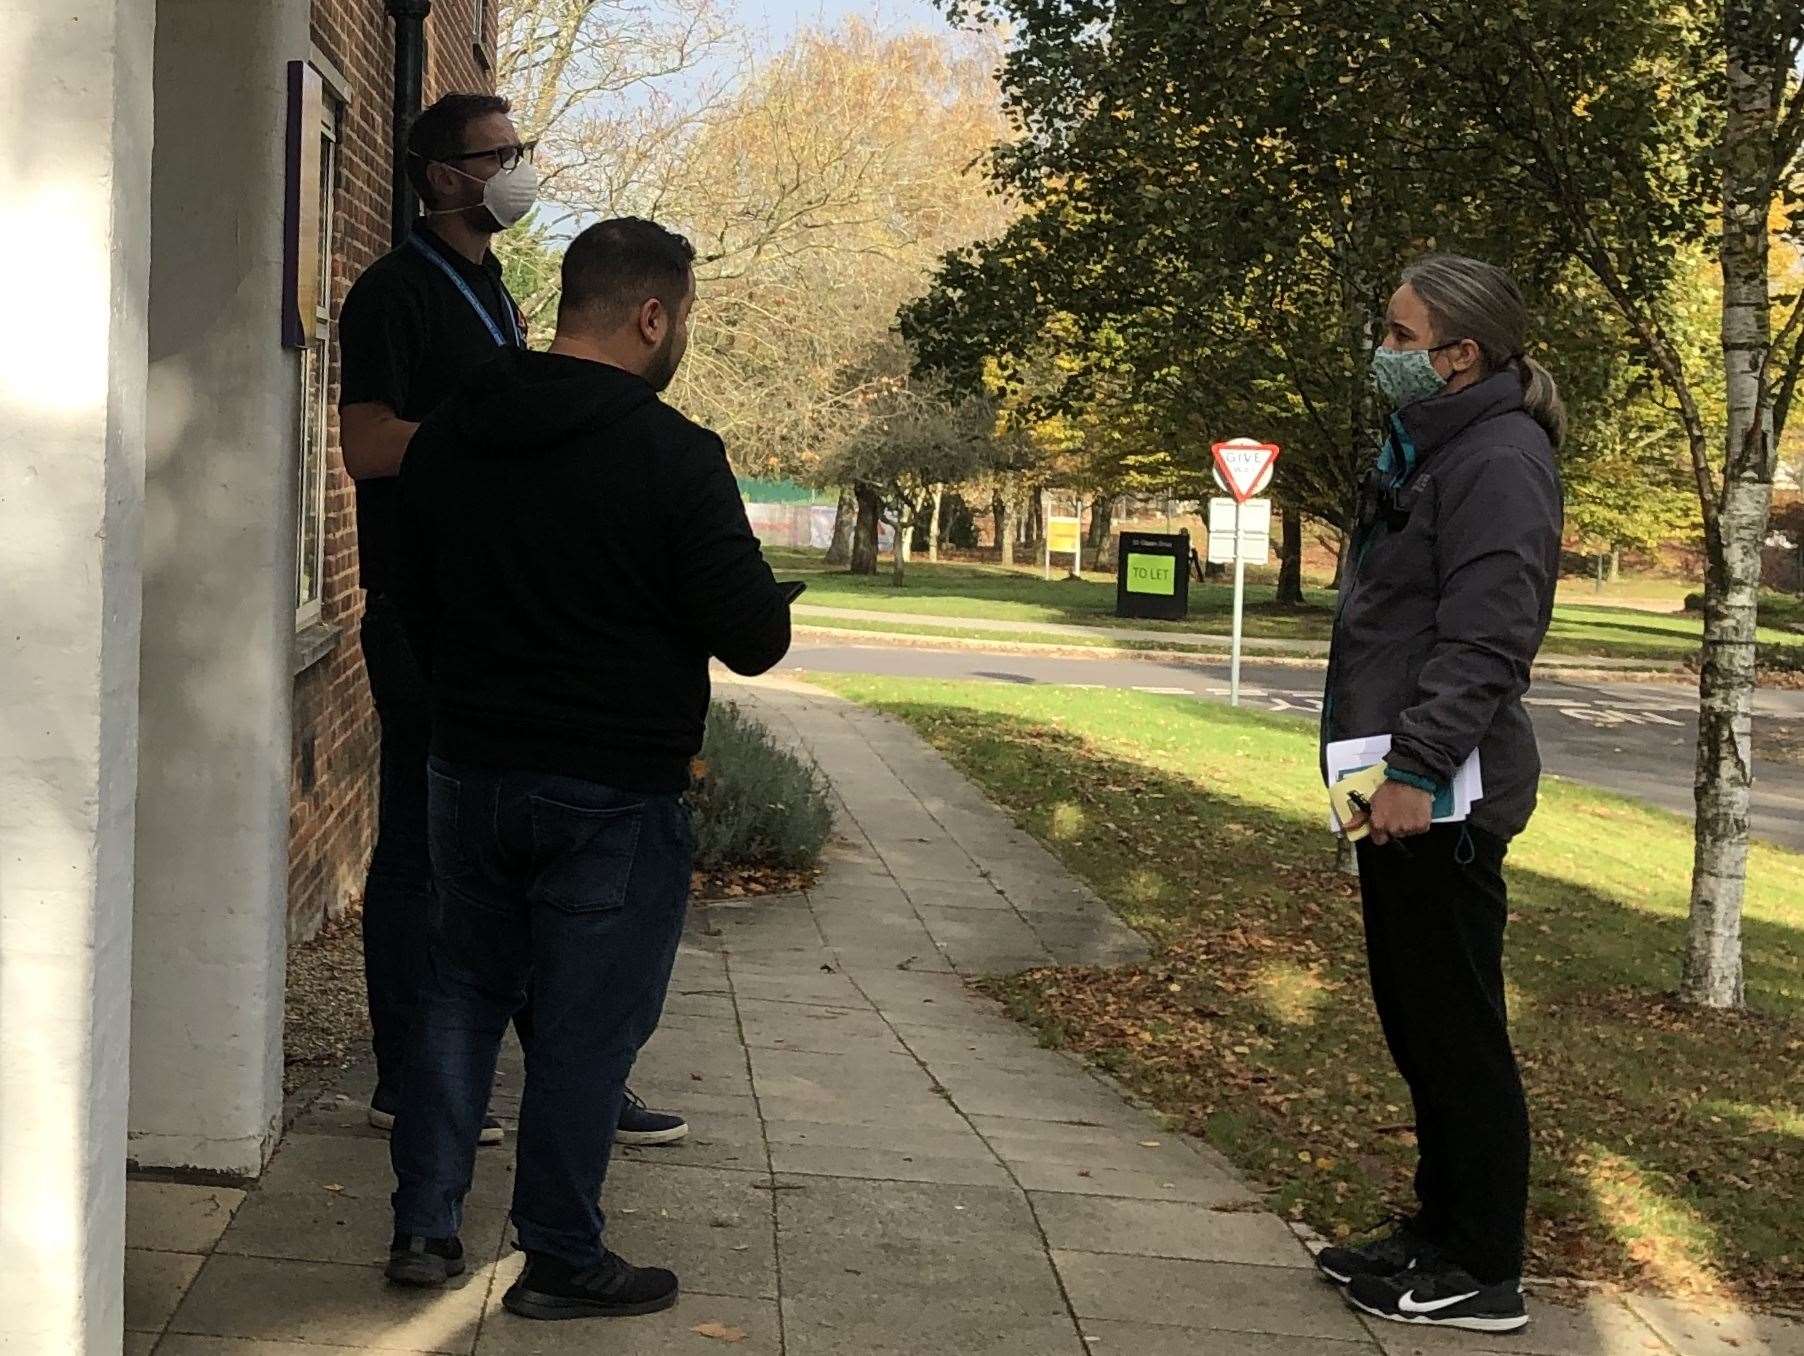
(1245, 465)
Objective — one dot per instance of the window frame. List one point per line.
(313, 460)
(479, 36)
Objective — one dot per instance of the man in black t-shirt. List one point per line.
(418, 326)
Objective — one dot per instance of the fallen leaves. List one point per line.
(720, 1332)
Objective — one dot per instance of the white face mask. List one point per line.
(508, 195)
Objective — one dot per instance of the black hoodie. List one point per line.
(571, 552)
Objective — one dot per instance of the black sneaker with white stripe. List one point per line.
(1441, 1295)
(1390, 1250)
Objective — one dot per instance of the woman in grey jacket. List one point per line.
(1442, 613)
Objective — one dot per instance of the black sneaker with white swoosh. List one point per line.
(1441, 1295)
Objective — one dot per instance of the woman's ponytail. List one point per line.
(1541, 398)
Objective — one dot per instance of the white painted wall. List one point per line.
(212, 866)
(75, 128)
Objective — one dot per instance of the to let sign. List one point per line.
(1151, 574)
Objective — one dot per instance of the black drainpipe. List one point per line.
(410, 78)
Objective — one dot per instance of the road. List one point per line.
(1636, 738)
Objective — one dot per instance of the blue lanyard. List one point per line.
(509, 340)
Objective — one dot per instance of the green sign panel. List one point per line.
(1151, 574)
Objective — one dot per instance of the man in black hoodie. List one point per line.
(574, 552)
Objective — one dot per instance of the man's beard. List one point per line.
(662, 368)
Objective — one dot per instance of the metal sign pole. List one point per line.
(1240, 588)
(1046, 533)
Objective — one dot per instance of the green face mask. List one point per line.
(1406, 375)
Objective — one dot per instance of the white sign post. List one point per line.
(1243, 467)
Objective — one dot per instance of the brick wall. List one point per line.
(332, 810)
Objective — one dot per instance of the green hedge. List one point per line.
(756, 804)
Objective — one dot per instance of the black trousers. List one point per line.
(398, 891)
(1435, 912)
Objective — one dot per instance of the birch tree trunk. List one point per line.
(1735, 531)
(845, 518)
(905, 529)
(933, 523)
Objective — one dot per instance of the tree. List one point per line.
(916, 434)
(612, 91)
(819, 184)
(1645, 128)
(1626, 472)
(1237, 237)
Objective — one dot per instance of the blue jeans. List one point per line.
(577, 890)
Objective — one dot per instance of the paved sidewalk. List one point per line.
(882, 1163)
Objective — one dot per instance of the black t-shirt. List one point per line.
(408, 338)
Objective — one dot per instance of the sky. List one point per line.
(784, 17)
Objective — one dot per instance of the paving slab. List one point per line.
(1598, 1326)
(173, 1217)
(874, 1326)
(1198, 1186)
(326, 1226)
(957, 1142)
(1703, 1330)
(155, 1283)
(1219, 1296)
(953, 1216)
(827, 1031)
(309, 1164)
(332, 1305)
(186, 1344)
(890, 1165)
(1166, 1229)
(1153, 1339)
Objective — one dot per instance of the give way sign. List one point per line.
(1243, 467)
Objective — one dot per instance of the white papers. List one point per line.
(1454, 804)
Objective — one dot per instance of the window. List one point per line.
(316, 370)
(479, 34)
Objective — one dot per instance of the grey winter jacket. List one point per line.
(1451, 591)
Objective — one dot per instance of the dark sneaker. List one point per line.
(491, 1134)
(1387, 1252)
(551, 1288)
(1441, 1295)
(641, 1126)
(425, 1262)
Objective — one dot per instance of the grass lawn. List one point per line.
(990, 592)
(1669, 1143)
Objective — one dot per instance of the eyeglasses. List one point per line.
(507, 157)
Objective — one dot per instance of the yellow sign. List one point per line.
(1152, 574)
(1062, 535)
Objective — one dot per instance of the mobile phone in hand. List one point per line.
(792, 589)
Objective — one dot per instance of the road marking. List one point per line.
(1168, 691)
